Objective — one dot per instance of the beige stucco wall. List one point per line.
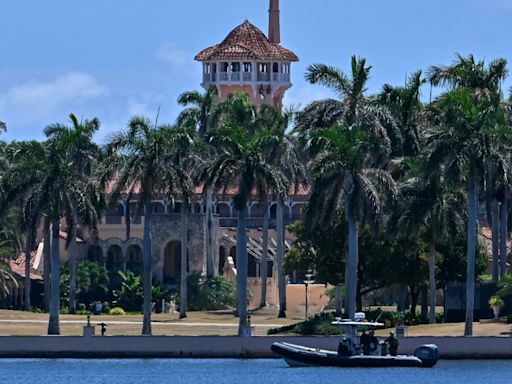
(295, 296)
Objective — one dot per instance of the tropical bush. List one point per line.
(117, 311)
(130, 295)
(320, 324)
(92, 283)
(211, 293)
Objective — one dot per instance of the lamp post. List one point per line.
(307, 281)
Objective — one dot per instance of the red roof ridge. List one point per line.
(255, 46)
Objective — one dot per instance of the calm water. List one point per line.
(60, 371)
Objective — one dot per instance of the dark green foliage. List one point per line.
(131, 294)
(210, 293)
(321, 248)
(92, 283)
(389, 319)
(505, 287)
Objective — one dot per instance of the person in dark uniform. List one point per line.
(364, 340)
(343, 348)
(393, 344)
(374, 342)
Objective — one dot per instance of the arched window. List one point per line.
(134, 259)
(172, 262)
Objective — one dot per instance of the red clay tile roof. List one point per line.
(246, 42)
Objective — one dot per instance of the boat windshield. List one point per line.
(351, 327)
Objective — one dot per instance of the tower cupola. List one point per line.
(247, 61)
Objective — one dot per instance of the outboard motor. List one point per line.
(428, 354)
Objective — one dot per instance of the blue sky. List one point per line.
(113, 59)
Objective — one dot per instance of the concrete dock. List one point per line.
(225, 346)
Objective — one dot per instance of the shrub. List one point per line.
(106, 307)
(117, 311)
(211, 293)
(320, 324)
(509, 319)
(64, 311)
(389, 319)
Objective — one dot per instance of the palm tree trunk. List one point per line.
(146, 323)
(353, 256)
(346, 274)
(28, 256)
(72, 270)
(209, 232)
(53, 322)
(281, 278)
(264, 259)
(241, 271)
(338, 294)
(402, 298)
(432, 281)
(424, 303)
(184, 260)
(470, 273)
(503, 234)
(495, 239)
(46, 264)
(414, 300)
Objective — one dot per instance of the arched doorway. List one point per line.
(172, 262)
(114, 262)
(252, 266)
(273, 211)
(232, 253)
(134, 259)
(222, 260)
(95, 254)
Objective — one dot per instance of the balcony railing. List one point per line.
(262, 77)
(254, 222)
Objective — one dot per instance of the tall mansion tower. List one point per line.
(247, 61)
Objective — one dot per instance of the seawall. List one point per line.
(224, 346)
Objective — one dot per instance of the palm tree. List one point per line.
(199, 115)
(82, 153)
(405, 106)
(7, 280)
(137, 164)
(353, 105)
(26, 159)
(431, 205)
(241, 162)
(49, 185)
(181, 161)
(464, 129)
(362, 114)
(467, 121)
(287, 158)
(345, 175)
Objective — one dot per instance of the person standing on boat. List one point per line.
(344, 349)
(373, 341)
(364, 340)
(393, 344)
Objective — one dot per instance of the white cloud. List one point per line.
(171, 54)
(40, 99)
(138, 107)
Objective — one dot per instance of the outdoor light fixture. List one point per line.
(307, 281)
